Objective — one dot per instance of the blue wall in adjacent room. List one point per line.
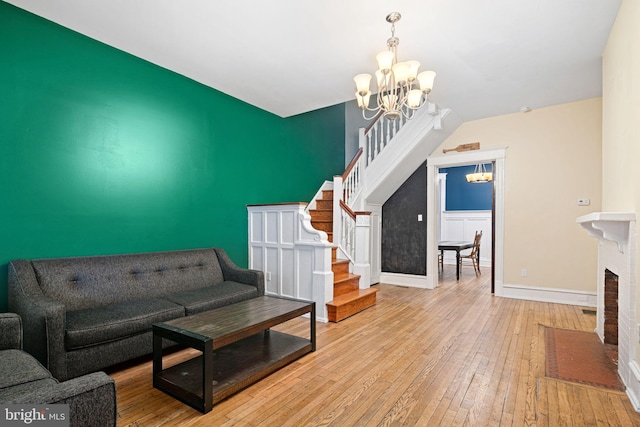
(103, 152)
(464, 196)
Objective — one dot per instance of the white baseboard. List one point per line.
(634, 388)
(554, 295)
(411, 280)
(483, 262)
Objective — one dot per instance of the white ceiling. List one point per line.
(294, 56)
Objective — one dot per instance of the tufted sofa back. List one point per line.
(87, 282)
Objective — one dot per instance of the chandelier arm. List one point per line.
(364, 116)
(408, 114)
(366, 107)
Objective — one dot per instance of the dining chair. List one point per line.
(474, 255)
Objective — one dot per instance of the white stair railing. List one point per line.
(351, 179)
(348, 230)
(379, 133)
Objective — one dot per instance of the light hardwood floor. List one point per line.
(451, 356)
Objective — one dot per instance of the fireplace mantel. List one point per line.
(613, 226)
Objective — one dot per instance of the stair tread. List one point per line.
(351, 296)
(339, 278)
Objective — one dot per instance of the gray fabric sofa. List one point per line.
(23, 380)
(84, 314)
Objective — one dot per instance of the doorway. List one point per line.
(464, 210)
(434, 163)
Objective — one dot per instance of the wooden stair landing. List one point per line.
(350, 303)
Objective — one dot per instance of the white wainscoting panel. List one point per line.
(295, 258)
(462, 225)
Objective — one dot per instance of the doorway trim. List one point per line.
(434, 163)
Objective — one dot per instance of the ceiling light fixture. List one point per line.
(479, 175)
(401, 90)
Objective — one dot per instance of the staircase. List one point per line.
(348, 298)
(322, 215)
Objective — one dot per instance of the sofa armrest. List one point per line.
(230, 271)
(10, 331)
(43, 319)
(91, 399)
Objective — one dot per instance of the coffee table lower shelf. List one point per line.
(236, 366)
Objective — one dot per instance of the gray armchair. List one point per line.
(23, 380)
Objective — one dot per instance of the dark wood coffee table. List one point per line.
(238, 348)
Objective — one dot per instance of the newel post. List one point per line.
(337, 210)
(361, 263)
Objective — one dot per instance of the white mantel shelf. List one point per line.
(613, 226)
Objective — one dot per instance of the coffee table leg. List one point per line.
(157, 353)
(207, 377)
(312, 331)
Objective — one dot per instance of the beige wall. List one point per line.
(553, 158)
(621, 120)
(621, 112)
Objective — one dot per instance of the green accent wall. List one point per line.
(104, 153)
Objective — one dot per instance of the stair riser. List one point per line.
(324, 226)
(320, 214)
(340, 269)
(324, 204)
(327, 194)
(339, 313)
(345, 287)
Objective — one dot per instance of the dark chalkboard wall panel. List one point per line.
(404, 238)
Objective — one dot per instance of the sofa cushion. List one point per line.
(17, 367)
(116, 321)
(21, 393)
(86, 282)
(210, 297)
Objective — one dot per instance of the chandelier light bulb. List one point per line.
(363, 100)
(362, 83)
(414, 98)
(383, 80)
(401, 72)
(385, 61)
(425, 80)
(414, 66)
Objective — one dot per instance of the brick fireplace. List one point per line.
(610, 307)
(617, 286)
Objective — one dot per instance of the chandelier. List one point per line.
(479, 175)
(401, 90)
